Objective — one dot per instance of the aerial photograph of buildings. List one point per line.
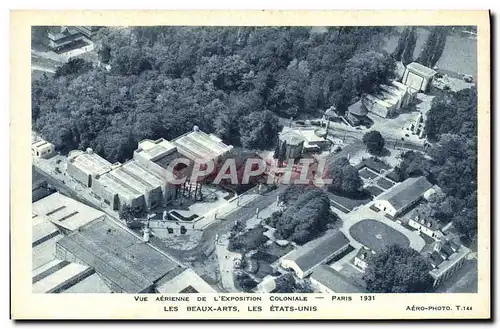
(198, 159)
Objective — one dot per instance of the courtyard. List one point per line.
(376, 235)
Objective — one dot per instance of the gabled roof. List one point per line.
(429, 222)
(335, 281)
(316, 252)
(406, 192)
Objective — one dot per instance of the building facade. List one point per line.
(304, 260)
(402, 196)
(40, 148)
(418, 77)
(446, 258)
(429, 226)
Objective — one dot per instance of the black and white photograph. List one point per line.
(335, 162)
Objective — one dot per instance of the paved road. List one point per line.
(223, 226)
(226, 263)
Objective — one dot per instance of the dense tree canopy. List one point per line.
(374, 142)
(345, 178)
(452, 165)
(164, 80)
(305, 218)
(453, 113)
(398, 270)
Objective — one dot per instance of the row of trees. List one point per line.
(430, 53)
(232, 81)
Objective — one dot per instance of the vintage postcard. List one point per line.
(250, 165)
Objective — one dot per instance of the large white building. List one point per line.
(401, 197)
(386, 100)
(418, 77)
(146, 181)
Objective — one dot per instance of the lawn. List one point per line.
(374, 190)
(367, 173)
(376, 235)
(349, 202)
(384, 183)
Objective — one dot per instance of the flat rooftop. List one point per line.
(155, 149)
(419, 68)
(91, 284)
(113, 183)
(137, 183)
(44, 252)
(188, 278)
(57, 280)
(43, 230)
(118, 255)
(64, 211)
(198, 145)
(135, 170)
(90, 163)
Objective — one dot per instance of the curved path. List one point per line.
(364, 212)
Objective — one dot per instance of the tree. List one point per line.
(374, 142)
(363, 72)
(434, 46)
(413, 164)
(398, 270)
(452, 113)
(73, 66)
(306, 218)
(411, 42)
(285, 283)
(259, 130)
(246, 282)
(126, 213)
(345, 178)
(406, 45)
(164, 80)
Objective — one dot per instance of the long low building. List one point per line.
(64, 212)
(327, 280)
(402, 196)
(305, 259)
(86, 166)
(199, 146)
(122, 260)
(186, 281)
